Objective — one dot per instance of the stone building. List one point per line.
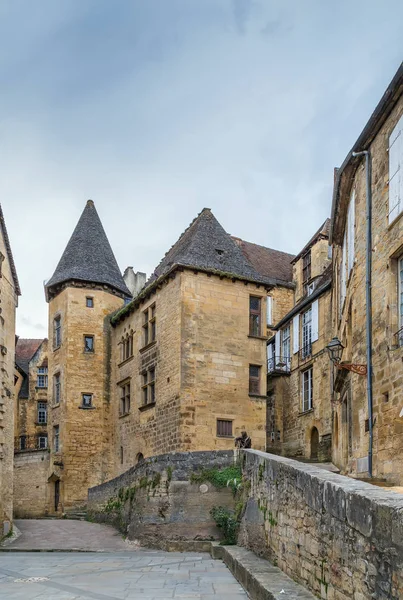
(85, 288)
(298, 407)
(189, 352)
(9, 292)
(382, 139)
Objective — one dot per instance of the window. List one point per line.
(254, 380)
(310, 288)
(254, 315)
(57, 332)
(86, 400)
(224, 428)
(148, 386)
(350, 233)
(42, 413)
(307, 333)
(42, 442)
(286, 345)
(88, 343)
(127, 347)
(121, 455)
(306, 270)
(124, 407)
(89, 302)
(395, 171)
(23, 442)
(306, 390)
(56, 388)
(400, 300)
(42, 377)
(56, 438)
(149, 327)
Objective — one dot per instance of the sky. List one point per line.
(156, 109)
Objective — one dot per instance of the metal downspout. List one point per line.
(368, 295)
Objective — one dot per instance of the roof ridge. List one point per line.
(235, 237)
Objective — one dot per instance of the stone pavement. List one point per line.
(64, 534)
(142, 574)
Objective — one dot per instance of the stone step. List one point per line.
(77, 516)
(261, 579)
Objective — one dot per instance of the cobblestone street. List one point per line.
(113, 570)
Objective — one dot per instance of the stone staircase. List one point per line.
(77, 514)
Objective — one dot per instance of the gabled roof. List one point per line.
(206, 245)
(9, 253)
(322, 233)
(24, 351)
(88, 256)
(266, 261)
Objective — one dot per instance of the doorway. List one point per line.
(57, 493)
(314, 443)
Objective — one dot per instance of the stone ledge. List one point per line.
(261, 579)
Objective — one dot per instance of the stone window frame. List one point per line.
(306, 270)
(307, 386)
(42, 412)
(127, 346)
(57, 388)
(220, 422)
(42, 377)
(23, 442)
(42, 445)
(124, 397)
(149, 325)
(86, 404)
(57, 331)
(255, 316)
(89, 349)
(56, 438)
(89, 302)
(148, 380)
(255, 380)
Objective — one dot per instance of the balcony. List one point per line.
(279, 365)
(399, 338)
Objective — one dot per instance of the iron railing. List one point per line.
(306, 351)
(279, 364)
(399, 337)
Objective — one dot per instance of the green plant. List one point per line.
(225, 520)
(227, 477)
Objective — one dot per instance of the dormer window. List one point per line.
(219, 251)
(306, 270)
(310, 288)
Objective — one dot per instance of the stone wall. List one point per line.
(339, 537)
(31, 484)
(156, 501)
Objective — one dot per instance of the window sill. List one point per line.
(90, 352)
(306, 412)
(56, 405)
(225, 437)
(146, 406)
(124, 362)
(57, 348)
(41, 424)
(257, 396)
(150, 345)
(41, 387)
(87, 407)
(258, 337)
(124, 415)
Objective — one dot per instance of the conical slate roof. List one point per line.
(206, 245)
(88, 255)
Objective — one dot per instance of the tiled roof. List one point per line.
(24, 351)
(323, 232)
(9, 253)
(88, 255)
(268, 262)
(206, 245)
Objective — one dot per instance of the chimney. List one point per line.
(134, 281)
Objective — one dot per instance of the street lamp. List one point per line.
(335, 349)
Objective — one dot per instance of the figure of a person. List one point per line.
(243, 441)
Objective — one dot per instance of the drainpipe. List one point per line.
(368, 294)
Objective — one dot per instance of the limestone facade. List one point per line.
(382, 137)
(298, 405)
(9, 292)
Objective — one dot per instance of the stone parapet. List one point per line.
(339, 537)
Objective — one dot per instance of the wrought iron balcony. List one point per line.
(399, 337)
(278, 365)
(305, 352)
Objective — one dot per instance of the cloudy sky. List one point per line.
(158, 108)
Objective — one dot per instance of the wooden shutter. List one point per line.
(269, 310)
(270, 352)
(295, 334)
(395, 171)
(278, 344)
(315, 321)
(350, 232)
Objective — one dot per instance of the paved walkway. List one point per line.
(144, 574)
(65, 534)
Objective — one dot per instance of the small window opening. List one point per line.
(89, 302)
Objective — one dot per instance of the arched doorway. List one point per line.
(314, 443)
(139, 457)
